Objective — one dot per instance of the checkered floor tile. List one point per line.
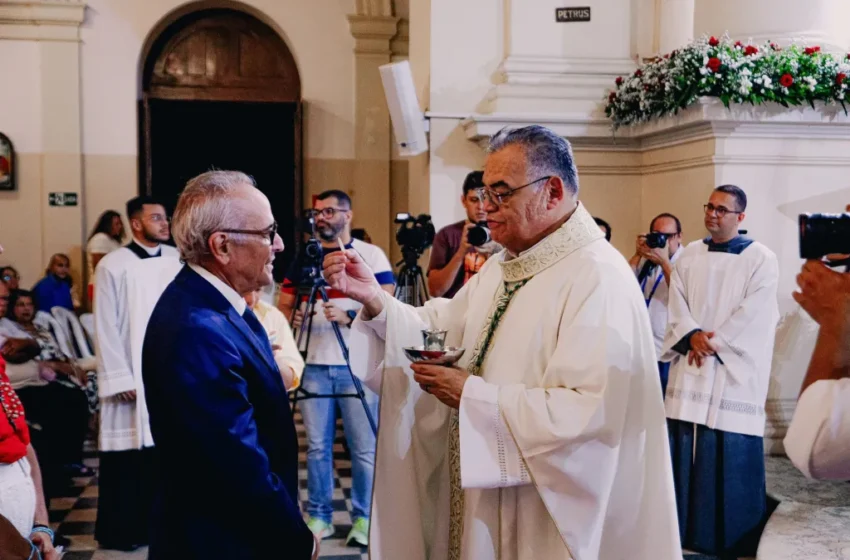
(73, 514)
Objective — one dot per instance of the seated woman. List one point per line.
(51, 389)
(54, 290)
(22, 499)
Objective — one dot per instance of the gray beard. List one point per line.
(330, 233)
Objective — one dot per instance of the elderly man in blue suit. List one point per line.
(228, 453)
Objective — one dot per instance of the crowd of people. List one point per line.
(619, 404)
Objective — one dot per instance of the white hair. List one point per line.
(206, 206)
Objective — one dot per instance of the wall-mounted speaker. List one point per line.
(407, 118)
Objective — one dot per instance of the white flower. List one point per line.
(841, 95)
(767, 82)
(703, 71)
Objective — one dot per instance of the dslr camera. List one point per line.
(414, 235)
(824, 234)
(479, 234)
(656, 240)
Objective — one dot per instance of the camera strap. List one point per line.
(654, 287)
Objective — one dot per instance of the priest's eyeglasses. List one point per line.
(496, 194)
(268, 232)
(327, 213)
(719, 210)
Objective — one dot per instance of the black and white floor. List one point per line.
(74, 513)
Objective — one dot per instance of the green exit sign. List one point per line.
(62, 199)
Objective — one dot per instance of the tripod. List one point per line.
(309, 293)
(411, 287)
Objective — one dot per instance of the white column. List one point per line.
(676, 24)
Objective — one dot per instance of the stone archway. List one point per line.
(221, 89)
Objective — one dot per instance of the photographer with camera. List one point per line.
(462, 248)
(652, 263)
(818, 439)
(326, 372)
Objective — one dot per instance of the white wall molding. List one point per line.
(51, 20)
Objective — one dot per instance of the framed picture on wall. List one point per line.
(7, 164)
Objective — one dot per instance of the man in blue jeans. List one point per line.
(326, 373)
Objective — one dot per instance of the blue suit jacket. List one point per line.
(225, 437)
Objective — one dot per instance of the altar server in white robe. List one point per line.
(818, 439)
(549, 439)
(722, 319)
(125, 443)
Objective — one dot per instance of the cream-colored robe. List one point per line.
(566, 424)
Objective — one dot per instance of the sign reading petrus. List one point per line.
(565, 15)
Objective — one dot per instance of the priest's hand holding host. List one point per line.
(347, 272)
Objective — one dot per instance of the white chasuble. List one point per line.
(563, 439)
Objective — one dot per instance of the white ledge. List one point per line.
(707, 118)
(47, 20)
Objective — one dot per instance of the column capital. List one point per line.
(42, 20)
(400, 45)
(373, 33)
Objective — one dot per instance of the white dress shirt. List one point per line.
(237, 301)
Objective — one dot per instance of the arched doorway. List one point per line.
(220, 89)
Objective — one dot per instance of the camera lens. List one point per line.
(478, 235)
(656, 240)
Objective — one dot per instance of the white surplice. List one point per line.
(565, 425)
(118, 308)
(734, 296)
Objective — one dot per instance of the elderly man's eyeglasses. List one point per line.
(719, 210)
(327, 213)
(496, 194)
(269, 233)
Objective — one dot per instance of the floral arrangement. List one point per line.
(732, 71)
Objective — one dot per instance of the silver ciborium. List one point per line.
(434, 350)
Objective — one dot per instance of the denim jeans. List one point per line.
(320, 423)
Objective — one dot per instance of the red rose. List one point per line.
(751, 50)
(787, 80)
(713, 42)
(714, 64)
(739, 44)
(619, 80)
(839, 79)
(611, 97)
(639, 73)
(811, 50)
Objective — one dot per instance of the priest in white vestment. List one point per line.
(549, 439)
(818, 439)
(125, 442)
(722, 319)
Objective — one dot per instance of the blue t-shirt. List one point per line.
(50, 292)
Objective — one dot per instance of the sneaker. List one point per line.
(321, 529)
(359, 533)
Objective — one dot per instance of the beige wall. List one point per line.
(86, 141)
